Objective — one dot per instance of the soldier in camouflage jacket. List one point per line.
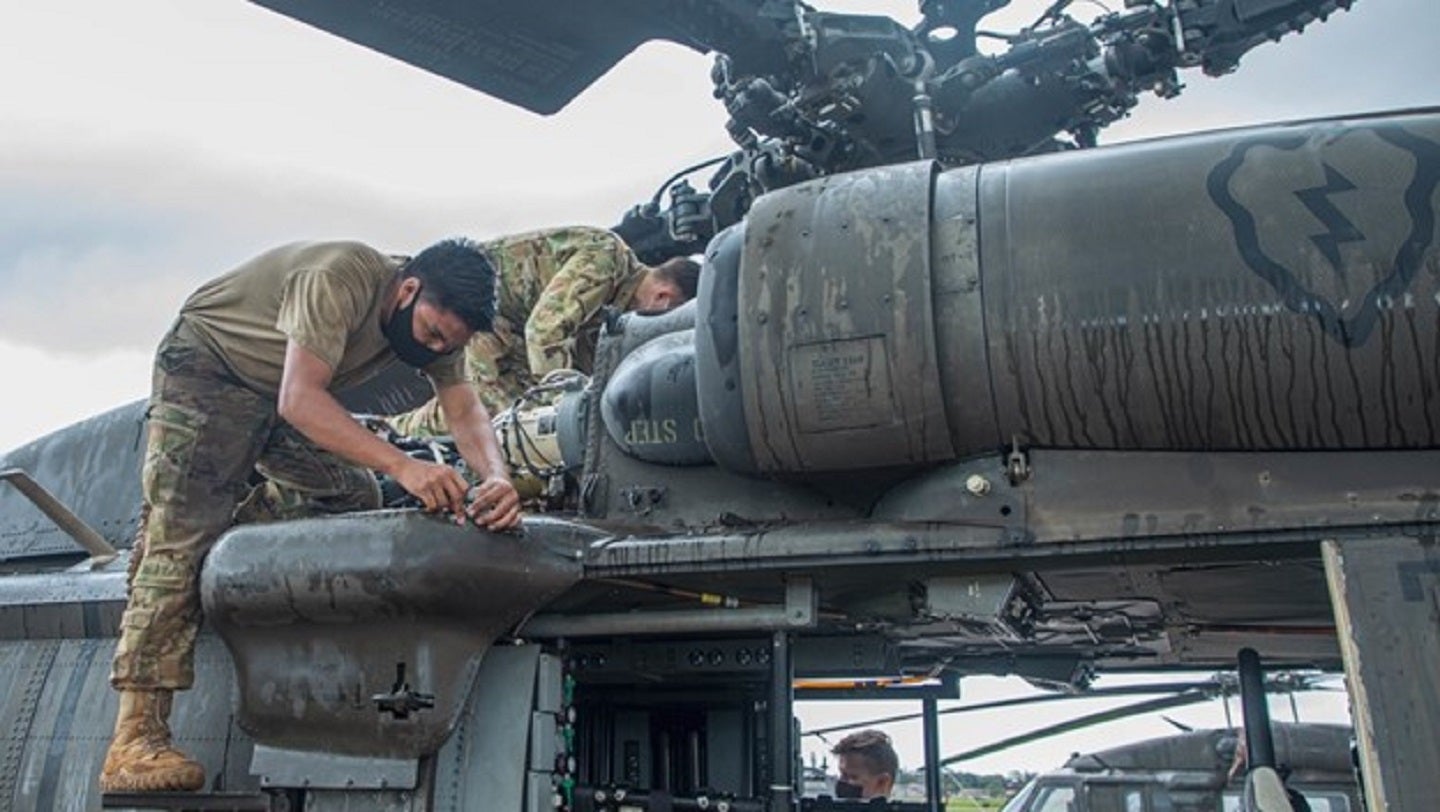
(552, 287)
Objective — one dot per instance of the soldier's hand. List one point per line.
(494, 504)
(438, 487)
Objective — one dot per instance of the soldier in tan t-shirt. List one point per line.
(243, 383)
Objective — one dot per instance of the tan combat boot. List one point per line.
(140, 758)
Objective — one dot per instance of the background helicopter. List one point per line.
(979, 628)
(1188, 766)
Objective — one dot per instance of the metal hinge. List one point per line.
(1017, 464)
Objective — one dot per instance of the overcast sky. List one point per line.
(148, 145)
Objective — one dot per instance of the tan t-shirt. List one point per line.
(326, 296)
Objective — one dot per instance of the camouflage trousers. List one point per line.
(216, 454)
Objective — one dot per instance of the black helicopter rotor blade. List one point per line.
(538, 54)
(1280, 682)
(1099, 693)
(1081, 722)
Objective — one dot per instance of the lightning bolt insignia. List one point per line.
(1338, 229)
(1392, 265)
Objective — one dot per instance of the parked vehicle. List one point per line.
(1191, 772)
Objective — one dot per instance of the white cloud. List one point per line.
(46, 391)
(115, 238)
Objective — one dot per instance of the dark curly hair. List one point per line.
(456, 276)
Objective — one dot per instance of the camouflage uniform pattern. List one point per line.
(552, 286)
(207, 434)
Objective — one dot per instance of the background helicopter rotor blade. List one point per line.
(1078, 723)
(1220, 684)
(1211, 686)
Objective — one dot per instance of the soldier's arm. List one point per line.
(578, 290)
(490, 365)
(305, 402)
(496, 505)
(424, 420)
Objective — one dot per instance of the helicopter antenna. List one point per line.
(1052, 13)
(1180, 726)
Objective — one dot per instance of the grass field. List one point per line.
(973, 804)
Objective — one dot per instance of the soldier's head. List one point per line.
(446, 293)
(667, 286)
(868, 765)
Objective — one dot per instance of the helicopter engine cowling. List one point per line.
(1263, 289)
(648, 406)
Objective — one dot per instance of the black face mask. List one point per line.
(845, 789)
(400, 333)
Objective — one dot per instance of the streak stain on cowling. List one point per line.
(1195, 311)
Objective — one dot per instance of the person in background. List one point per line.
(868, 765)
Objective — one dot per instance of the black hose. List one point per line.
(1259, 744)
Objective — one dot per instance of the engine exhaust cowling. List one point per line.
(1264, 289)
